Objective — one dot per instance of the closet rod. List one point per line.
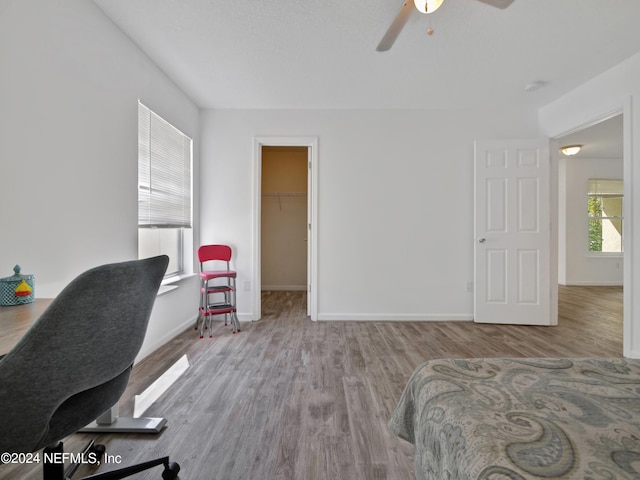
(283, 194)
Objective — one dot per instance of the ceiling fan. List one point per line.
(423, 6)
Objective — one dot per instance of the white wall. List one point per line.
(395, 221)
(616, 90)
(577, 266)
(68, 146)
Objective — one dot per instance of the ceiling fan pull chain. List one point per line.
(430, 29)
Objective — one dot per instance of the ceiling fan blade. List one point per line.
(396, 27)
(497, 3)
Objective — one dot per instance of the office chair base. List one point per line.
(93, 453)
(128, 425)
(170, 471)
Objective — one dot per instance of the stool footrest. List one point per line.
(218, 309)
(217, 289)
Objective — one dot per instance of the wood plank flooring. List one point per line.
(288, 398)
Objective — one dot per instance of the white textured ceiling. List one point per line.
(602, 140)
(322, 54)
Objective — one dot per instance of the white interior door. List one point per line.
(513, 233)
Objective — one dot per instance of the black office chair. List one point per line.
(74, 363)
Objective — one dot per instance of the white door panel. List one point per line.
(512, 231)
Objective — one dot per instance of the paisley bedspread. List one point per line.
(500, 419)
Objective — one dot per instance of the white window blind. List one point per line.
(164, 173)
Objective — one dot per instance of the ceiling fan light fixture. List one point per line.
(570, 150)
(427, 6)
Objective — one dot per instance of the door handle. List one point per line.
(482, 240)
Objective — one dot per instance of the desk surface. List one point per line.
(16, 320)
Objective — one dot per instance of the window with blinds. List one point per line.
(164, 188)
(164, 173)
(605, 198)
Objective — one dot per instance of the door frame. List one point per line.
(586, 120)
(312, 208)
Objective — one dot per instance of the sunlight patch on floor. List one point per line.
(154, 391)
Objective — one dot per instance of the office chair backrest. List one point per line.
(77, 357)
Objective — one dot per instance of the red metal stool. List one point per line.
(216, 298)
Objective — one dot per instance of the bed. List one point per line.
(500, 419)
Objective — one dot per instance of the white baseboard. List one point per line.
(379, 317)
(635, 354)
(391, 317)
(581, 283)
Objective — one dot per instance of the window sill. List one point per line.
(173, 282)
(166, 289)
(605, 255)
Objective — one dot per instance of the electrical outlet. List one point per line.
(468, 287)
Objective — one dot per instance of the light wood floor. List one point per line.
(288, 398)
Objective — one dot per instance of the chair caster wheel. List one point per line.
(98, 451)
(171, 471)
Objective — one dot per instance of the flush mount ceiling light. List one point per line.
(427, 6)
(570, 150)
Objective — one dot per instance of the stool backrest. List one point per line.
(214, 252)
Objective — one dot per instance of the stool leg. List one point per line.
(236, 323)
(201, 308)
(234, 315)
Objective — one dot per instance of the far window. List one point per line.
(164, 189)
(605, 215)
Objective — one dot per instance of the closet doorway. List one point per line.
(285, 209)
(283, 226)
